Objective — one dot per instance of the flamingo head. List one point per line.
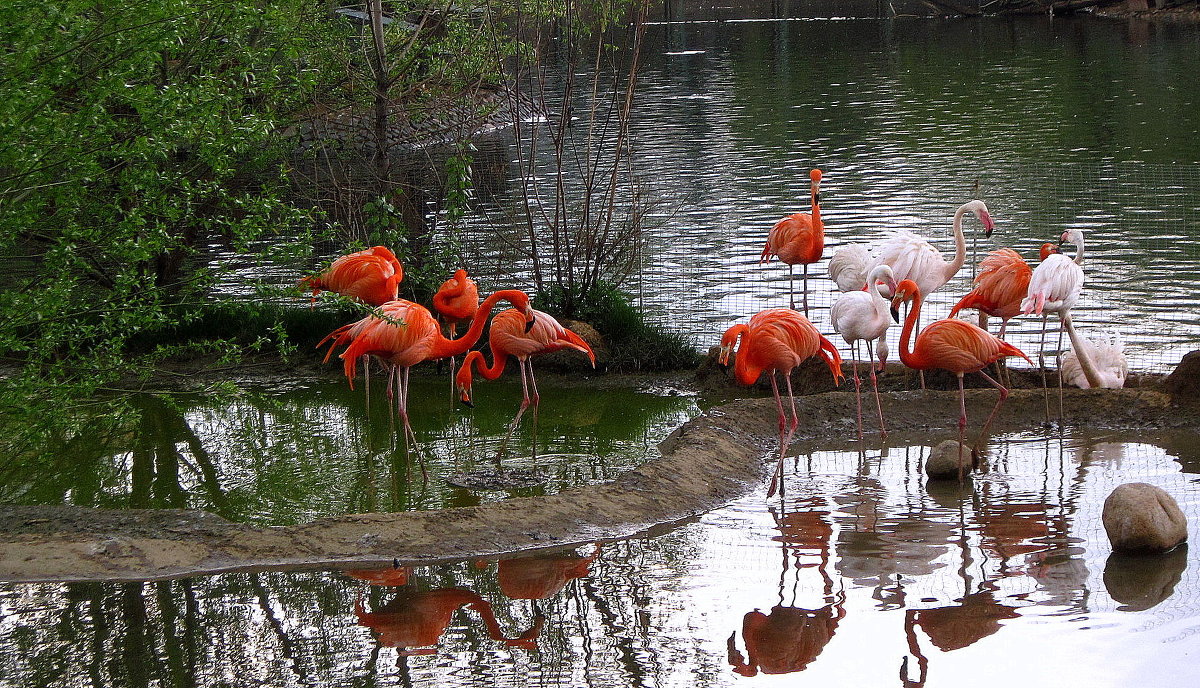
(1047, 250)
(882, 275)
(981, 212)
(1071, 236)
(906, 290)
(728, 341)
(815, 176)
(520, 301)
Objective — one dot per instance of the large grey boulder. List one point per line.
(942, 463)
(1139, 517)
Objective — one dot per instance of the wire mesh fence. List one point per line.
(1139, 222)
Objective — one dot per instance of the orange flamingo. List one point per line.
(418, 620)
(456, 301)
(371, 276)
(798, 238)
(778, 339)
(404, 334)
(954, 345)
(1000, 286)
(509, 336)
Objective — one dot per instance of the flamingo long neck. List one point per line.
(443, 347)
(1079, 250)
(907, 357)
(499, 359)
(817, 225)
(960, 247)
(1083, 352)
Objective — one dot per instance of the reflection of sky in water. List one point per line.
(1007, 584)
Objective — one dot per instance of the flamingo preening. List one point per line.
(456, 301)
(777, 340)
(1106, 358)
(403, 334)
(954, 345)
(509, 336)
(1000, 286)
(371, 276)
(913, 258)
(798, 239)
(1055, 287)
(863, 316)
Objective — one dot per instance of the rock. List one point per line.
(942, 463)
(1183, 384)
(1143, 518)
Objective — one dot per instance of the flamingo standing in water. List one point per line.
(404, 334)
(1055, 288)
(509, 336)
(798, 238)
(456, 301)
(777, 340)
(372, 276)
(863, 316)
(954, 345)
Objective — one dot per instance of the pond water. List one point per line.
(862, 575)
(286, 454)
(1056, 123)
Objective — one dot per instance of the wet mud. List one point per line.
(713, 459)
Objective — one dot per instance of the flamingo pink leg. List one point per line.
(410, 437)
(536, 400)
(878, 403)
(988, 423)
(858, 386)
(962, 423)
(525, 401)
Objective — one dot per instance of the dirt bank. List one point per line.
(708, 462)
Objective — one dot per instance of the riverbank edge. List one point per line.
(710, 461)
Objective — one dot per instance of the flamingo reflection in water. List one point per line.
(790, 637)
(393, 576)
(543, 576)
(953, 627)
(413, 623)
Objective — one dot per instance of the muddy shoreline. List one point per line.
(713, 459)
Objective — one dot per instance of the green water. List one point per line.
(293, 452)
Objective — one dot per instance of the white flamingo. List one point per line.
(848, 267)
(865, 316)
(1054, 288)
(1106, 358)
(912, 257)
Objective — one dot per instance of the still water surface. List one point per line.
(862, 575)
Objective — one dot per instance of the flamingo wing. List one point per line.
(960, 347)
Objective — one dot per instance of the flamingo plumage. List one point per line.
(863, 316)
(456, 301)
(402, 334)
(1106, 358)
(953, 345)
(372, 276)
(1055, 288)
(798, 239)
(508, 336)
(777, 340)
(1000, 286)
(913, 258)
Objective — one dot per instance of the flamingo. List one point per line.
(863, 316)
(848, 267)
(403, 334)
(456, 301)
(414, 623)
(1106, 358)
(1000, 286)
(914, 258)
(798, 238)
(1055, 288)
(509, 336)
(954, 345)
(777, 340)
(371, 276)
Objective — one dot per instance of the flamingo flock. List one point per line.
(903, 270)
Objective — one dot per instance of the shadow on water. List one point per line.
(866, 574)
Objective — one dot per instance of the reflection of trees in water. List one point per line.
(306, 452)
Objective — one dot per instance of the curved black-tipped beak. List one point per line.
(529, 324)
(817, 198)
(895, 313)
(468, 403)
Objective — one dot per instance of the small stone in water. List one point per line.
(1140, 517)
(942, 463)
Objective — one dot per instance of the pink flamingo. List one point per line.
(777, 340)
(798, 238)
(456, 301)
(371, 276)
(863, 316)
(953, 345)
(509, 336)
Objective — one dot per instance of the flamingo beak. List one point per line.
(895, 313)
(529, 320)
(988, 225)
(465, 397)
